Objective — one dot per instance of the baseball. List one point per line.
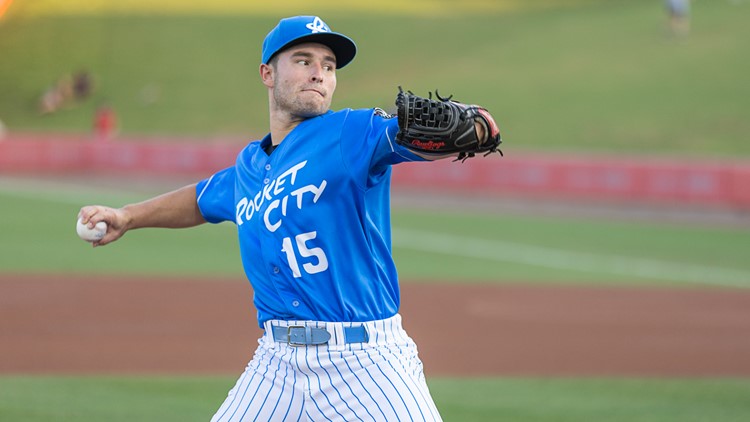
(91, 235)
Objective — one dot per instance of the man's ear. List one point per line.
(266, 74)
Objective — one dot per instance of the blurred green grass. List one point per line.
(530, 248)
(492, 248)
(598, 76)
(183, 399)
(589, 400)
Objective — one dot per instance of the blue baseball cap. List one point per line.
(300, 29)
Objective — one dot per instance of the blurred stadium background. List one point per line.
(625, 144)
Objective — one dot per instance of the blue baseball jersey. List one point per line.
(313, 217)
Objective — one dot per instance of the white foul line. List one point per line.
(503, 251)
(470, 247)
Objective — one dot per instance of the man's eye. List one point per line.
(302, 62)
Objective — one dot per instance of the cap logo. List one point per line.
(317, 25)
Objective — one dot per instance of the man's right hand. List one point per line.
(116, 219)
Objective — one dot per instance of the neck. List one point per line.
(281, 124)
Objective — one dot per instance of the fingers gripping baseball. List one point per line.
(115, 221)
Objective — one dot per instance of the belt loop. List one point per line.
(268, 334)
(373, 334)
(337, 343)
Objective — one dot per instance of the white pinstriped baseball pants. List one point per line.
(381, 380)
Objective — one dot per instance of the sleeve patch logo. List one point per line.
(382, 113)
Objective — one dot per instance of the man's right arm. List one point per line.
(176, 209)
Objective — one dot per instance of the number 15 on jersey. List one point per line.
(309, 254)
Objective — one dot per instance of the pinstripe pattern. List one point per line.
(381, 380)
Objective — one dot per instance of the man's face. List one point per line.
(304, 80)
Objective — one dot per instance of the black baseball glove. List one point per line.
(444, 126)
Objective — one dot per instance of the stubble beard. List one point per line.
(296, 106)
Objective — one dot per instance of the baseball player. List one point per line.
(679, 16)
(311, 204)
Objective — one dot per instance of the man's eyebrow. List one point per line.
(305, 54)
(301, 53)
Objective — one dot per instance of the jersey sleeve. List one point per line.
(216, 196)
(369, 142)
(387, 151)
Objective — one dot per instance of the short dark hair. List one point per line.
(274, 61)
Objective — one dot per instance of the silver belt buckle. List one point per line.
(289, 336)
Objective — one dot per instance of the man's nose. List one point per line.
(316, 73)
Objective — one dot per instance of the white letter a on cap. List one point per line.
(317, 25)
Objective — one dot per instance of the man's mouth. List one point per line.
(315, 91)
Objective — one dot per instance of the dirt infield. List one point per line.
(119, 325)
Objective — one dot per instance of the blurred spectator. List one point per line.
(67, 90)
(55, 96)
(51, 100)
(65, 86)
(82, 85)
(679, 17)
(105, 123)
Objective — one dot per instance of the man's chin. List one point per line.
(311, 112)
